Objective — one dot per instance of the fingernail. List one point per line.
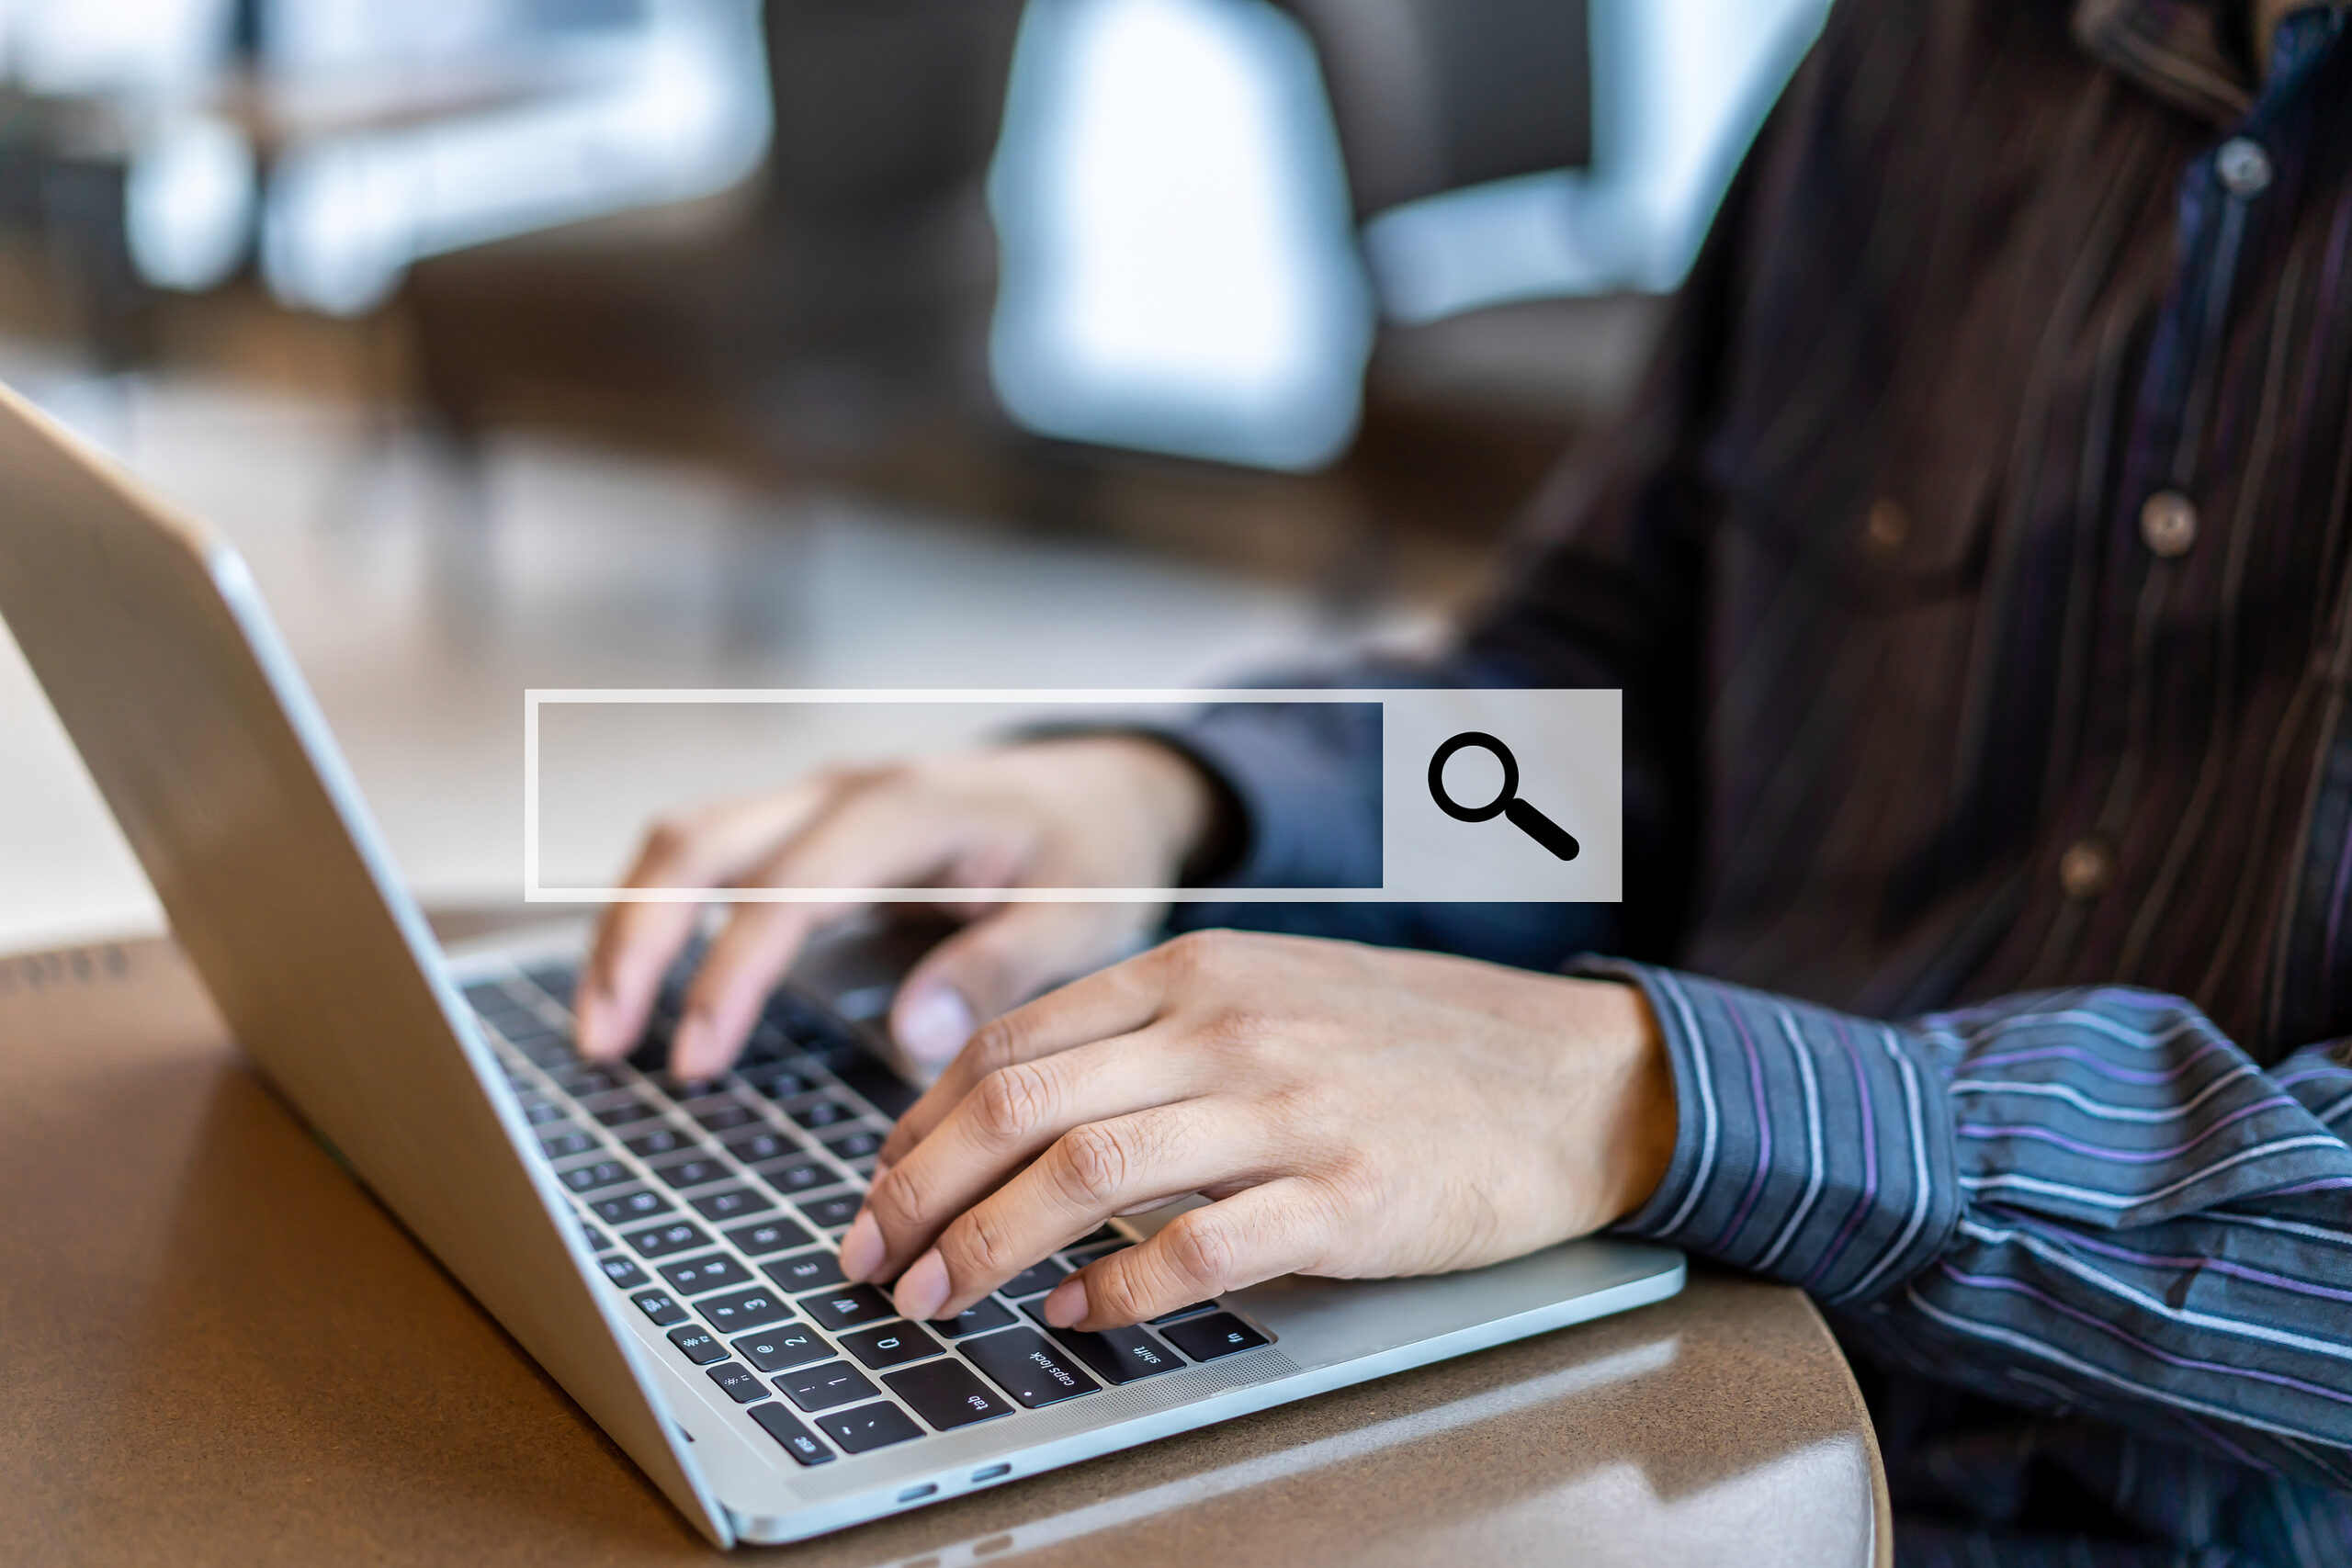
(862, 1248)
(688, 1047)
(1066, 1306)
(936, 1023)
(922, 1291)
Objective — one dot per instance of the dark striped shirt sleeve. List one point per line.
(2087, 1199)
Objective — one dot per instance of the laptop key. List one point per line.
(823, 1113)
(699, 1345)
(721, 1117)
(784, 1348)
(730, 1203)
(855, 1145)
(777, 1083)
(1025, 1365)
(805, 1177)
(564, 1145)
(541, 1112)
(846, 1308)
(597, 1240)
(769, 1235)
(626, 1112)
(546, 1052)
(630, 1206)
(1119, 1355)
(747, 1309)
(660, 1241)
(1096, 1254)
(661, 1306)
(978, 1318)
(786, 1428)
(1220, 1334)
(692, 1172)
(827, 1386)
(661, 1140)
(623, 1272)
(832, 1213)
(1037, 1277)
(806, 1271)
(892, 1345)
(742, 1385)
(946, 1393)
(488, 997)
(869, 1427)
(697, 1276)
(590, 1177)
(752, 1148)
(582, 1082)
(556, 980)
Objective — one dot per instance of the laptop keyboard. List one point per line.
(716, 1208)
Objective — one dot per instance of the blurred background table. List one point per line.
(217, 1349)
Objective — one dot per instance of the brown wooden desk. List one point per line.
(216, 1348)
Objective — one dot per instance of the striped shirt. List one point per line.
(1975, 567)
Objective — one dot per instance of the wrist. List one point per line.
(1170, 803)
(1649, 1116)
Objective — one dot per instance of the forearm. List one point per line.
(2088, 1200)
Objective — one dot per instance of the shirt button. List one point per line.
(1887, 527)
(2169, 524)
(2085, 868)
(2244, 167)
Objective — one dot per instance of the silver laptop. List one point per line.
(667, 1255)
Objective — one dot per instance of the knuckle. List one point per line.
(1238, 1029)
(1200, 1250)
(670, 840)
(995, 1045)
(1114, 1289)
(1091, 1164)
(895, 1201)
(1010, 1101)
(977, 1248)
(1198, 953)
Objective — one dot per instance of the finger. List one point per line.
(997, 963)
(859, 841)
(1090, 1173)
(635, 944)
(746, 960)
(1009, 1117)
(1281, 1227)
(1119, 1000)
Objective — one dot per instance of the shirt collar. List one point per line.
(2185, 51)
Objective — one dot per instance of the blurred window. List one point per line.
(1179, 272)
(1680, 89)
(93, 46)
(580, 108)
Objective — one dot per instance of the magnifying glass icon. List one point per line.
(1506, 803)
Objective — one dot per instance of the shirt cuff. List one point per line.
(1307, 779)
(1812, 1148)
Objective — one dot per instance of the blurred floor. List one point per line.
(421, 608)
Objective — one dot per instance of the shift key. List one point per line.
(1020, 1362)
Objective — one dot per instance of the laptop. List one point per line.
(666, 1252)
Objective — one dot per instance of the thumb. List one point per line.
(994, 965)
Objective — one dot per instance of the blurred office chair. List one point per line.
(812, 315)
(1439, 102)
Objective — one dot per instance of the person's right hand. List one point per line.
(1107, 811)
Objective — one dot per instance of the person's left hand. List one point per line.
(1351, 1110)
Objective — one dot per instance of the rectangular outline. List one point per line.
(534, 697)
